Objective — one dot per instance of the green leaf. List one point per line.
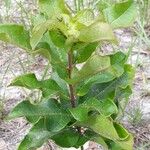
(38, 19)
(104, 107)
(85, 17)
(118, 58)
(58, 38)
(126, 144)
(39, 30)
(99, 31)
(59, 62)
(62, 84)
(43, 49)
(28, 81)
(61, 70)
(87, 136)
(120, 137)
(58, 56)
(122, 132)
(100, 141)
(36, 137)
(56, 117)
(58, 59)
(105, 90)
(84, 53)
(122, 98)
(104, 77)
(53, 8)
(49, 87)
(103, 5)
(15, 34)
(43, 52)
(94, 65)
(121, 14)
(70, 137)
(66, 138)
(100, 124)
(115, 70)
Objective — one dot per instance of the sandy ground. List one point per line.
(14, 62)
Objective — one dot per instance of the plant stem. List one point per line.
(71, 88)
(82, 148)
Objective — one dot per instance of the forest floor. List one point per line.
(14, 62)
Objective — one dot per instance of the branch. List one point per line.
(71, 88)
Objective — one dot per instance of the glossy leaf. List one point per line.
(99, 31)
(15, 34)
(29, 81)
(38, 19)
(103, 77)
(94, 65)
(87, 136)
(39, 30)
(101, 141)
(39, 134)
(103, 5)
(125, 144)
(55, 117)
(122, 98)
(122, 132)
(84, 53)
(118, 58)
(120, 137)
(49, 87)
(66, 138)
(53, 8)
(43, 52)
(36, 137)
(58, 56)
(100, 124)
(58, 59)
(85, 17)
(58, 38)
(43, 49)
(99, 78)
(104, 107)
(115, 70)
(102, 91)
(61, 83)
(121, 14)
(70, 137)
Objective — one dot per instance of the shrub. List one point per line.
(80, 100)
